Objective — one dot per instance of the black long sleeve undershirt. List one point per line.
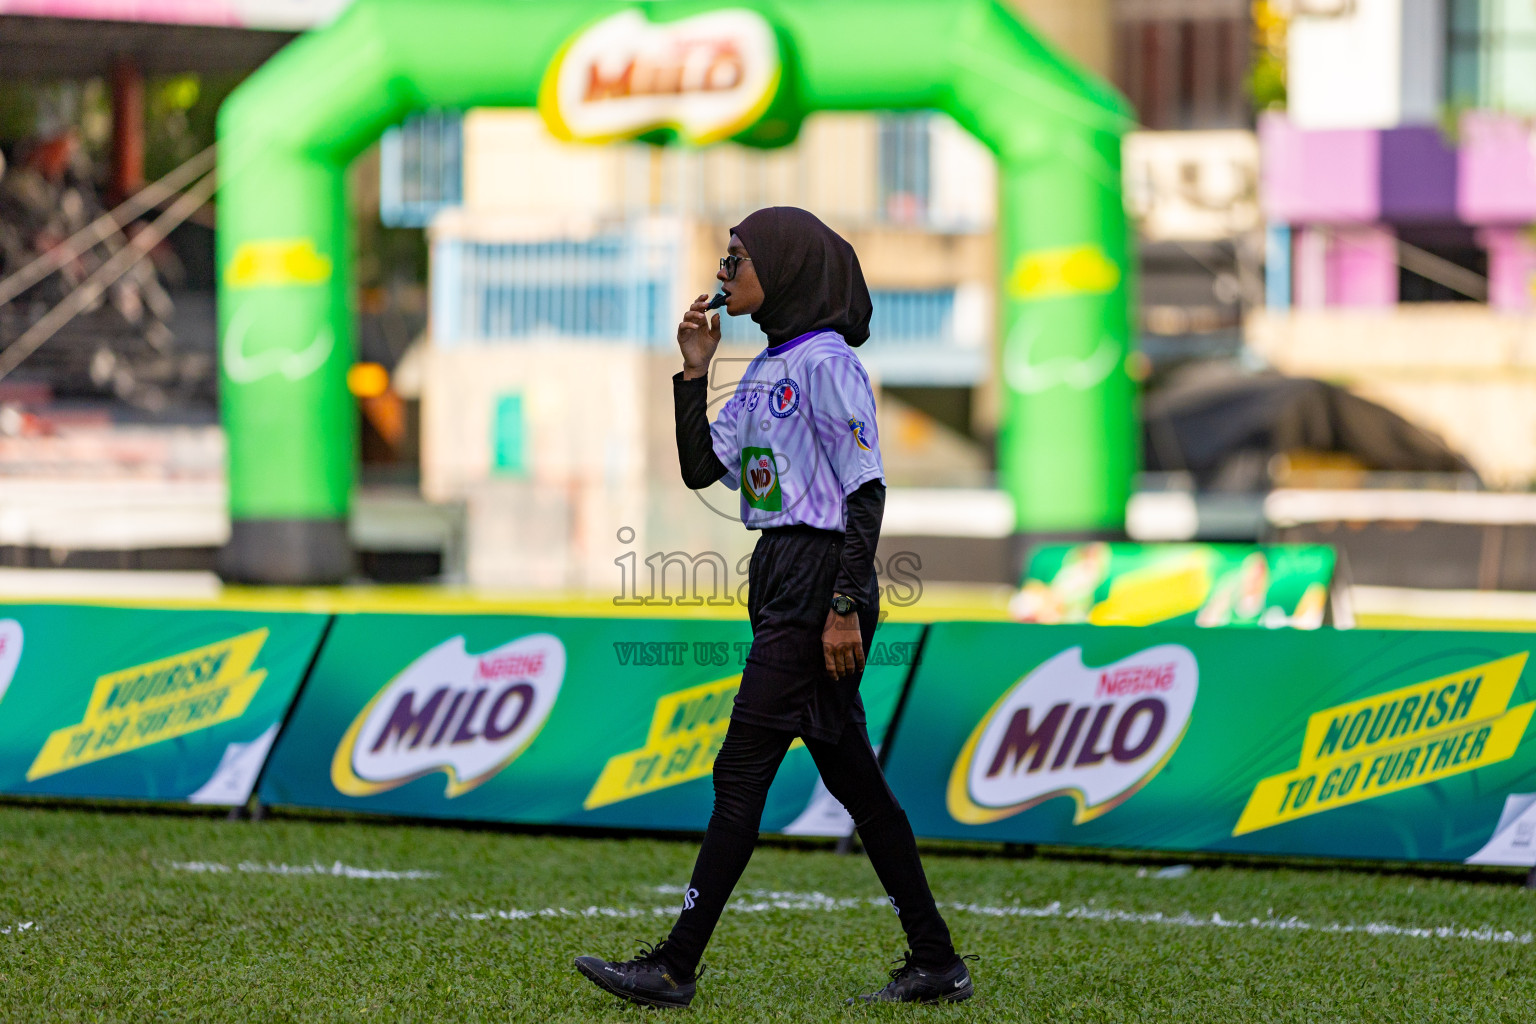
(695, 450)
(702, 467)
(866, 507)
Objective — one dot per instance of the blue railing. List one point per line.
(613, 288)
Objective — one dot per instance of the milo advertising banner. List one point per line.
(145, 704)
(1270, 585)
(600, 722)
(1398, 745)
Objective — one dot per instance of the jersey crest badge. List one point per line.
(857, 426)
(784, 398)
(760, 480)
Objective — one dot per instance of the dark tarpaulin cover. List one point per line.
(1213, 420)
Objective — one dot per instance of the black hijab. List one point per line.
(810, 276)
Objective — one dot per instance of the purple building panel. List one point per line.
(1357, 176)
(1329, 177)
(1498, 169)
(1418, 176)
(1344, 192)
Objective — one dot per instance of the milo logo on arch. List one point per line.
(465, 715)
(760, 479)
(1096, 734)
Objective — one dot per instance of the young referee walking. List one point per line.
(799, 439)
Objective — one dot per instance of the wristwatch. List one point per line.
(843, 604)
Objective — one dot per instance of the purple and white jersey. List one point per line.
(799, 435)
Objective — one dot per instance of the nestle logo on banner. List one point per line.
(510, 665)
(1096, 734)
(1125, 682)
(466, 715)
(708, 76)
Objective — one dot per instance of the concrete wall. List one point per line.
(600, 458)
(1458, 370)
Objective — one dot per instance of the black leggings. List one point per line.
(749, 759)
(744, 769)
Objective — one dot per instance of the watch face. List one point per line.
(842, 605)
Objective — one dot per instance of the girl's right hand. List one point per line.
(698, 335)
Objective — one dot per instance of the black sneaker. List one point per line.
(913, 984)
(647, 979)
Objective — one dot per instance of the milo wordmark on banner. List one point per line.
(1335, 743)
(1097, 735)
(131, 703)
(602, 722)
(465, 715)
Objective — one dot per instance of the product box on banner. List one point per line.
(1263, 585)
(600, 722)
(145, 704)
(1398, 745)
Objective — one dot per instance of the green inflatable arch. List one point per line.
(1067, 449)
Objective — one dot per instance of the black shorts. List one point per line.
(784, 684)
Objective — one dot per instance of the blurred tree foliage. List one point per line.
(1266, 77)
(180, 115)
(18, 110)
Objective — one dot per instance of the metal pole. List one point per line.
(91, 288)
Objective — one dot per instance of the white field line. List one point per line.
(334, 870)
(1185, 919)
(6, 929)
(759, 900)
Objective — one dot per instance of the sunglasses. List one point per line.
(730, 263)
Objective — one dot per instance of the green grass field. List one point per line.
(181, 917)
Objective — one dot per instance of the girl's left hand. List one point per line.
(842, 645)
